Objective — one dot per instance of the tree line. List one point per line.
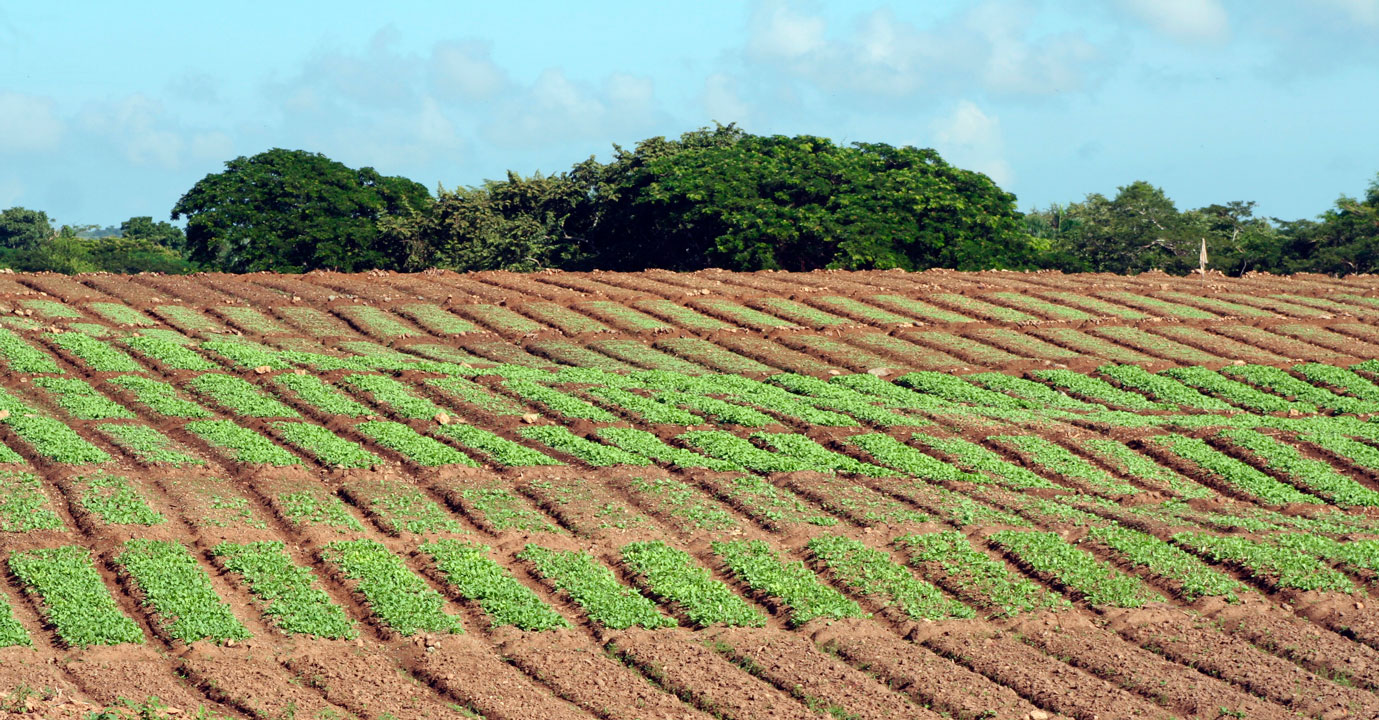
(714, 197)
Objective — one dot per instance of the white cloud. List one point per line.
(466, 71)
(971, 139)
(556, 108)
(28, 123)
(134, 127)
(722, 100)
(1191, 21)
(1365, 12)
(993, 45)
(779, 32)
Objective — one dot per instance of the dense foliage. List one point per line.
(714, 197)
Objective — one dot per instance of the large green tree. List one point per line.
(293, 211)
(22, 228)
(720, 197)
(1345, 239)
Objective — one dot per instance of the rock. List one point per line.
(4, 414)
(530, 418)
(442, 418)
(880, 372)
(1039, 715)
(1239, 362)
(263, 370)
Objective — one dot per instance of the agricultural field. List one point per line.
(707, 495)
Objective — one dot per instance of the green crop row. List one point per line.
(400, 507)
(1097, 390)
(1035, 394)
(858, 503)
(475, 394)
(398, 598)
(160, 397)
(243, 444)
(840, 398)
(23, 357)
(671, 575)
(817, 457)
(761, 568)
(1162, 387)
(720, 410)
(148, 444)
(1280, 382)
(475, 576)
(498, 449)
(728, 447)
(685, 505)
(114, 500)
(319, 394)
(979, 459)
(1128, 462)
(247, 354)
(393, 394)
(422, 450)
(23, 505)
(911, 461)
(327, 447)
(288, 591)
(948, 558)
(179, 591)
(75, 600)
(1142, 550)
(1280, 566)
(169, 354)
(1233, 472)
(890, 394)
(81, 401)
(1234, 391)
(1343, 379)
(1313, 474)
(558, 402)
(55, 440)
(872, 573)
(1357, 554)
(1059, 461)
(594, 587)
(958, 390)
(98, 355)
(1362, 454)
(645, 408)
(646, 444)
(1048, 554)
(504, 511)
(560, 438)
(240, 396)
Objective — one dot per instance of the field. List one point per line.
(657, 495)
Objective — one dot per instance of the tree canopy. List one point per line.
(293, 211)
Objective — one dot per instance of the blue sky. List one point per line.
(109, 110)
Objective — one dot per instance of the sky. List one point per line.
(113, 110)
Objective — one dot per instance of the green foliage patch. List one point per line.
(75, 600)
(179, 590)
(595, 589)
(400, 599)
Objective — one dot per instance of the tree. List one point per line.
(720, 197)
(22, 228)
(293, 211)
(1139, 229)
(1346, 238)
(163, 234)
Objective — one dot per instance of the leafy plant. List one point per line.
(393, 395)
(160, 397)
(169, 354)
(1281, 566)
(23, 357)
(398, 598)
(468, 568)
(81, 400)
(98, 355)
(316, 392)
(872, 573)
(671, 575)
(1196, 579)
(760, 567)
(641, 442)
(948, 558)
(23, 505)
(288, 591)
(243, 444)
(179, 591)
(148, 445)
(597, 454)
(75, 600)
(422, 450)
(1050, 555)
(114, 501)
(594, 587)
(240, 396)
(499, 449)
(327, 447)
